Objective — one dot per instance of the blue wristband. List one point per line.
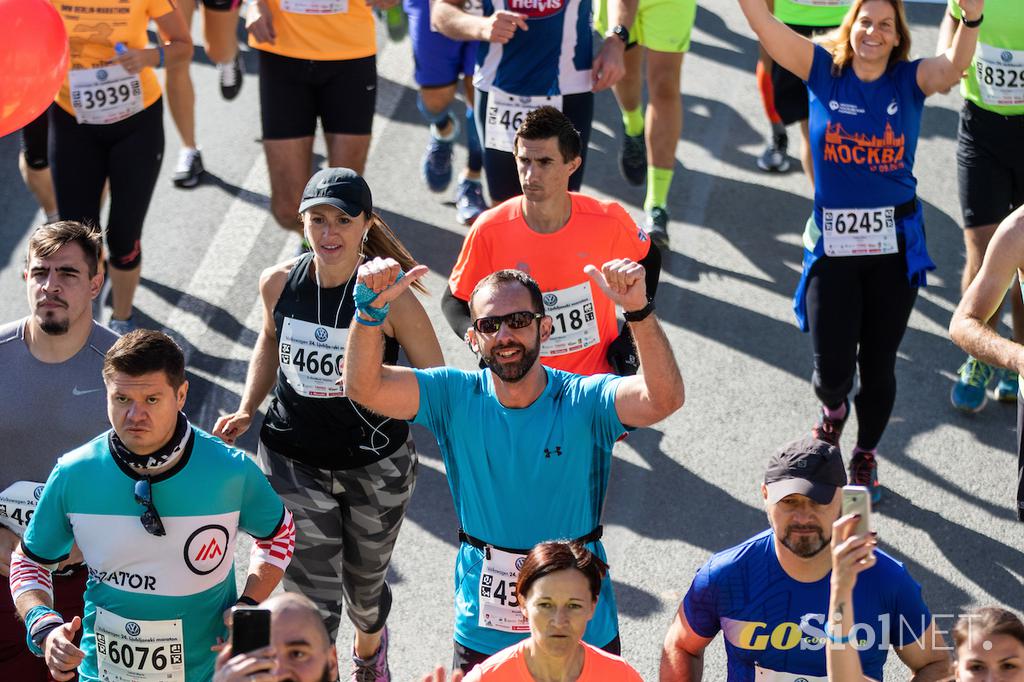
(368, 323)
(364, 296)
(32, 617)
(832, 638)
(160, 49)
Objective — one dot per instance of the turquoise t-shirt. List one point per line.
(522, 476)
(166, 592)
(995, 80)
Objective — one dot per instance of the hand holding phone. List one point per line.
(857, 500)
(250, 630)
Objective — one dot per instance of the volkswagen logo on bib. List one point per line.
(37, 493)
(206, 549)
(132, 628)
(101, 75)
(519, 563)
(1006, 56)
(320, 334)
(550, 300)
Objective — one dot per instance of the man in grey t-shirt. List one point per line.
(52, 399)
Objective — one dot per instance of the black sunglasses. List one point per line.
(150, 518)
(516, 320)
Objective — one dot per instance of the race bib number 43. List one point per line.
(105, 95)
(1000, 75)
(138, 650)
(505, 113)
(499, 604)
(859, 231)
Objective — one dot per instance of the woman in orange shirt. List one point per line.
(557, 589)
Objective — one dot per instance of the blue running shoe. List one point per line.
(968, 394)
(1006, 390)
(437, 161)
(864, 471)
(469, 201)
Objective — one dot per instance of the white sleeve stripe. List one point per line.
(27, 575)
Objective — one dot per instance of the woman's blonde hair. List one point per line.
(838, 41)
(381, 242)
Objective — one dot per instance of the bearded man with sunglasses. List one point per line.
(527, 448)
(155, 506)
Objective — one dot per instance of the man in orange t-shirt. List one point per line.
(552, 233)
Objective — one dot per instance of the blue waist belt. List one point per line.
(909, 218)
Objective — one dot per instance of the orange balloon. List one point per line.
(33, 60)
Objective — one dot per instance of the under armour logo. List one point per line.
(557, 452)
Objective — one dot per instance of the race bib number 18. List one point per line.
(138, 650)
(859, 231)
(574, 324)
(505, 113)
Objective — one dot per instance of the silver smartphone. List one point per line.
(857, 500)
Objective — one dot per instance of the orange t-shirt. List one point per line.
(95, 26)
(321, 30)
(509, 665)
(584, 318)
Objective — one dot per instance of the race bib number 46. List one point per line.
(18, 503)
(105, 95)
(859, 231)
(138, 650)
(505, 113)
(1000, 75)
(311, 356)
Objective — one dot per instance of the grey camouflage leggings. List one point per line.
(346, 525)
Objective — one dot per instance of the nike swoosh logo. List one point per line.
(77, 392)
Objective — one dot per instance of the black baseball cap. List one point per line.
(806, 466)
(340, 187)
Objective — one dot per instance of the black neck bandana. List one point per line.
(173, 447)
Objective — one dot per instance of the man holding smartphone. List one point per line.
(769, 595)
(297, 646)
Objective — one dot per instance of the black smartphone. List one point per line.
(250, 630)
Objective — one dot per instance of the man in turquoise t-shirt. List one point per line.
(527, 448)
(990, 169)
(155, 506)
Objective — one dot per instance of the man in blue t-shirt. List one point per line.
(527, 448)
(769, 595)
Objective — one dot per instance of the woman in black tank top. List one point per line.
(345, 473)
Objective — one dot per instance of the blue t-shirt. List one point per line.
(777, 623)
(187, 575)
(863, 135)
(552, 58)
(522, 476)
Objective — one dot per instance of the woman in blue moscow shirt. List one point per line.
(864, 245)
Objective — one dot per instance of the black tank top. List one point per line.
(324, 432)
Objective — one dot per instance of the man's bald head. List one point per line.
(301, 616)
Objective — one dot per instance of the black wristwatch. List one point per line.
(637, 315)
(620, 32)
(972, 24)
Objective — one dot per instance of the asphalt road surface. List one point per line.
(689, 486)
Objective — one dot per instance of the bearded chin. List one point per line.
(515, 372)
(55, 327)
(806, 547)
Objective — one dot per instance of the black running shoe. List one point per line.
(657, 227)
(830, 430)
(633, 159)
(230, 76)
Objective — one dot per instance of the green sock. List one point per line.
(658, 182)
(633, 121)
